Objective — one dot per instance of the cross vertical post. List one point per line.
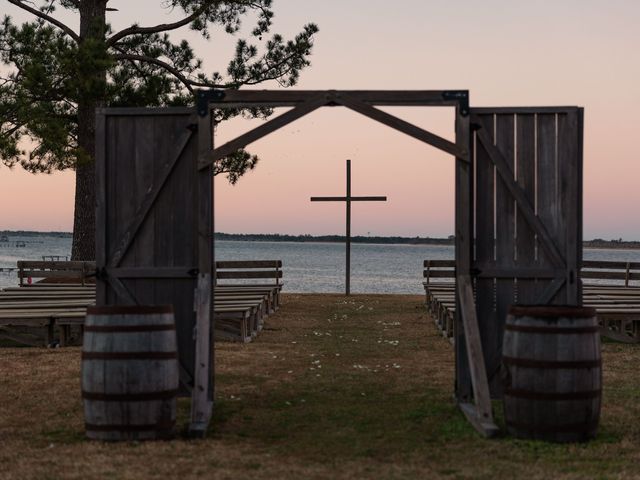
(348, 199)
(347, 280)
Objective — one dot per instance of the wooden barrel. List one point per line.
(129, 373)
(553, 381)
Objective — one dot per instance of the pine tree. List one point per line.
(58, 77)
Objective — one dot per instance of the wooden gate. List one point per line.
(525, 185)
(154, 227)
(518, 217)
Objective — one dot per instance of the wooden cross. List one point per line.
(348, 199)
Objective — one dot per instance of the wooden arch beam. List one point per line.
(306, 102)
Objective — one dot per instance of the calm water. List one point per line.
(309, 267)
(34, 249)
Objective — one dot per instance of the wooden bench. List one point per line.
(439, 286)
(612, 288)
(241, 304)
(56, 301)
(58, 273)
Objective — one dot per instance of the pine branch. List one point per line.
(44, 16)
(142, 58)
(164, 27)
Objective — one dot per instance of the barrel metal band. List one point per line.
(152, 427)
(582, 427)
(129, 355)
(128, 328)
(531, 395)
(528, 363)
(552, 330)
(130, 397)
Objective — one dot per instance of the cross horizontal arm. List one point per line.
(353, 199)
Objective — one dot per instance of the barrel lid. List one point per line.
(129, 309)
(570, 311)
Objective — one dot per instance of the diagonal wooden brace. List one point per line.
(265, 129)
(479, 415)
(403, 126)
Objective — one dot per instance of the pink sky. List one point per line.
(574, 52)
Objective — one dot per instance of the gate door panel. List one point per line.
(527, 184)
(146, 217)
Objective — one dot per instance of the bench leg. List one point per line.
(65, 335)
(50, 339)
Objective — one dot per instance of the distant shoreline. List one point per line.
(256, 237)
(275, 237)
(32, 233)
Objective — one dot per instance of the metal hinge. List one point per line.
(203, 97)
(462, 96)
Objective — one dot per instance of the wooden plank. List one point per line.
(120, 186)
(546, 195)
(54, 265)
(257, 133)
(526, 244)
(485, 220)
(25, 304)
(610, 275)
(249, 264)
(505, 225)
(580, 196)
(50, 288)
(51, 274)
(101, 201)
(570, 199)
(523, 110)
(8, 296)
(439, 263)
(152, 272)
(405, 127)
(608, 264)
(490, 271)
(147, 158)
(248, 274)
(440, 273)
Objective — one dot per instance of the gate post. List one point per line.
(463, 249)
(202, 394)
(471, 375)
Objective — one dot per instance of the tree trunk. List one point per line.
(92, 27)
(84, 217)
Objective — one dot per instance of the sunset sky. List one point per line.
(505, 52)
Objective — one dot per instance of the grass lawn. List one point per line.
(334, 387)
